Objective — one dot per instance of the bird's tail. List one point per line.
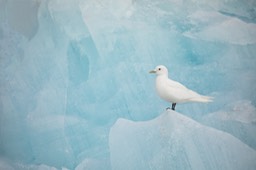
(203, 99)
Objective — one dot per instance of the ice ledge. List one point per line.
(175, 141)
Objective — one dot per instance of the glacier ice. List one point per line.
(70, 69)
(9, 165)
(238, 119)
(222, 28)
(173, 141)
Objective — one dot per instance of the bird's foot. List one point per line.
(168, 108)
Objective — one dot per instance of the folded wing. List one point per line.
(185, 94)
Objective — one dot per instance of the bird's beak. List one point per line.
(152, 71)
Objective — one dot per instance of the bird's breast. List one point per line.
(165, 91)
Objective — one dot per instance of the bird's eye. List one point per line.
(159, 69)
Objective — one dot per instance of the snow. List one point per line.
(70, 69)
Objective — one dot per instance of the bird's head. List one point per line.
(160, 70)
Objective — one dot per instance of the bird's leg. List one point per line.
(173, 106)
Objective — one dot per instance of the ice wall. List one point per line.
(70, 69)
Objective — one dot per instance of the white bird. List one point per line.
(173, 91)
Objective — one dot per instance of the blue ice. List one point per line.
(75, 92)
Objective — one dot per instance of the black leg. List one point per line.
(173, 106)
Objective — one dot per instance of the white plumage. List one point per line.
(173, 91)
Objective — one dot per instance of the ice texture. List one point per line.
(70, 69)
(238, 119)
(174, 141)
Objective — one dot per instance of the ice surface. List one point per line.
(70, 69)
(238, 119)
(9, 165)
(173, 141)
(221, 28)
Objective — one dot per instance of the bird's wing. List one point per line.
(182, 90)
(175, 84)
